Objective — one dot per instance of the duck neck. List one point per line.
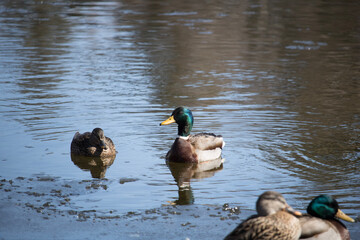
(184, 130)
(184, 138)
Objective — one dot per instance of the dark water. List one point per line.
(280, 80)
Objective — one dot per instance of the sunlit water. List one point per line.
(279, 80)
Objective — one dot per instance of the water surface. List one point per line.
(279, 80)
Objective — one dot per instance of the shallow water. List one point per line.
(279, 80)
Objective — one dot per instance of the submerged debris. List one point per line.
(127, 180)
(231, 210)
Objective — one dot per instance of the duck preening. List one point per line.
(93, 143)
(189, 148)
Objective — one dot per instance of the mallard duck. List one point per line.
(92, 144)
(321, 223)
(275, 220)
(192, 148)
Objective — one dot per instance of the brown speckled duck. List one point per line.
(92, 144)
(192, 148)
(275, 220)
(320, 223)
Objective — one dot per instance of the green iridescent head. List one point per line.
(184, 118)
(326, 207)
(323, 206)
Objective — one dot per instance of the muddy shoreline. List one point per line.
(42, 208)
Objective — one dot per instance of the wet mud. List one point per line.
(45, 207)
(32, 208)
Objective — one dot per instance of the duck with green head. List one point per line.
(321, 222)
(275, 220)
(92, 144)
(192, 148)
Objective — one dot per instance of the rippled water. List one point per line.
(279, 80)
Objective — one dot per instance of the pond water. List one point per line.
(279, 80)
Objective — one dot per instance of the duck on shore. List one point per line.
(275, 220)
(320, 223)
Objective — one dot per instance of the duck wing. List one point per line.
(206, 141)
(321, 229)
(78, 137)
(80, 143)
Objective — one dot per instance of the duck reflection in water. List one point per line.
(93, 151)
(96, 165)
(184, 172)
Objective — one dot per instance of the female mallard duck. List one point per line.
(93, 144)
(192, 148)
(321, 222)
(275, 220)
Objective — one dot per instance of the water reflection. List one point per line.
(37, 52)
(184, 172)
(279, 80)
(96, 165)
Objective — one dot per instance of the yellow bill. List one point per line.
(343, 216)
(168, 121)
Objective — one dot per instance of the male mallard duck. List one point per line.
(321, 222)
(93, 144)
(192, 148)
(275, 220)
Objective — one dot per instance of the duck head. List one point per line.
(271, 202)
(184, 119)
(326, 207)
(97, 138)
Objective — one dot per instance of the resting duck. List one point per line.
(321, 224)
(192, 148)
(92, 144)
(275, 220)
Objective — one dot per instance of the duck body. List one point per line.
(92, 144)
(275, 220)
(320, 222)
(196, 148)
(189, 148)
(318, 229)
